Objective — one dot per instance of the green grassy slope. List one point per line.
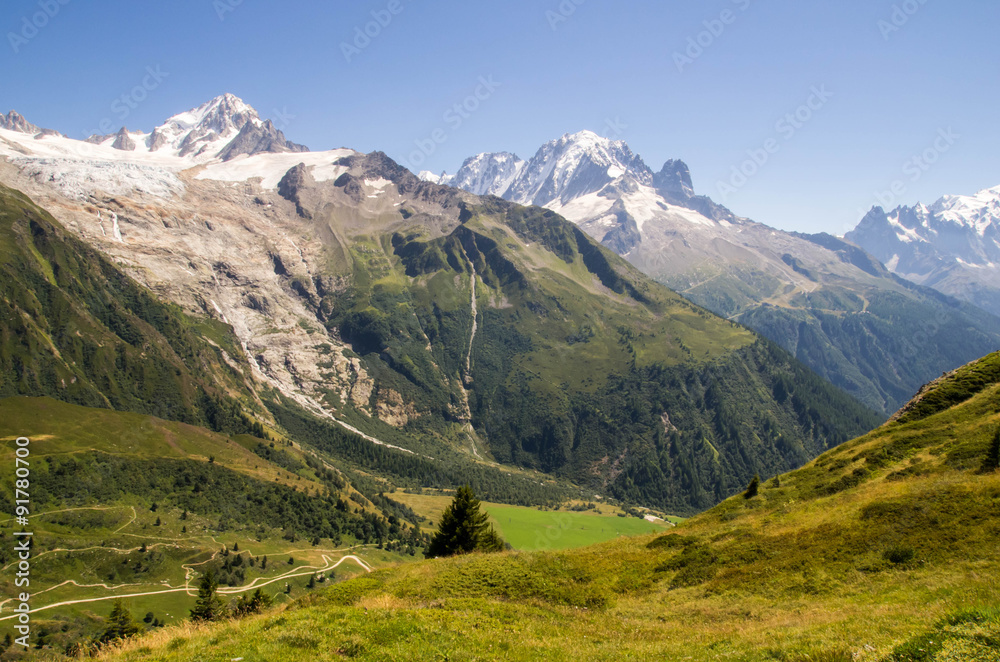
(532, 529)
(581, 366)
(871, 333)
(129, 504)
(882, 549)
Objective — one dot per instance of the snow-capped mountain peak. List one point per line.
(212, 124)
(598, 183)
(487, 174)
(978, 212)
(444, 179)
(225, 136)
(575, 165)
(952, 245)
(14, 121)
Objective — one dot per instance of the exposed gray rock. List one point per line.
(13, 121)
(625, 236)
(253, 139)
(123, 141)
(675, 178)
(291, 186)
(156, 140)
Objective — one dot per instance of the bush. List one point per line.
(992, 461)
(899, 555)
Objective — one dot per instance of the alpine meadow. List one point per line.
(468, 379)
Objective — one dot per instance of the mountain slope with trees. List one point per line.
(881, 550)
(438, 323)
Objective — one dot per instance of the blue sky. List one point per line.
(885, 94)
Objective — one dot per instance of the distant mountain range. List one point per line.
(952, 246)
(450, 337)
(834, 306)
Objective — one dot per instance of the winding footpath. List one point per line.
(189, 575)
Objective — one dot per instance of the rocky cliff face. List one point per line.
(253, 139)
(123, 141)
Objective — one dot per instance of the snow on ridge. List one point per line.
(271, 168)
(78, 168)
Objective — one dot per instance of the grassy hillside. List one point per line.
(848, 318)
(512, 337)
(882, 549)
(577, 365)
(129, 504)
(531, 529)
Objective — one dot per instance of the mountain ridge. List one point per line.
(952, 245)
(349, 286)
(805, 292)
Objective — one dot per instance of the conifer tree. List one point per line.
(120, 624)
(464, 528)
(209, 606)
(753, 488)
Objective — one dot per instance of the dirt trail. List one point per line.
(255, 584)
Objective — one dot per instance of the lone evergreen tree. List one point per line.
(992, 461)
(120, 624)
(209, 606)
(464, 528)
(753, 488)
